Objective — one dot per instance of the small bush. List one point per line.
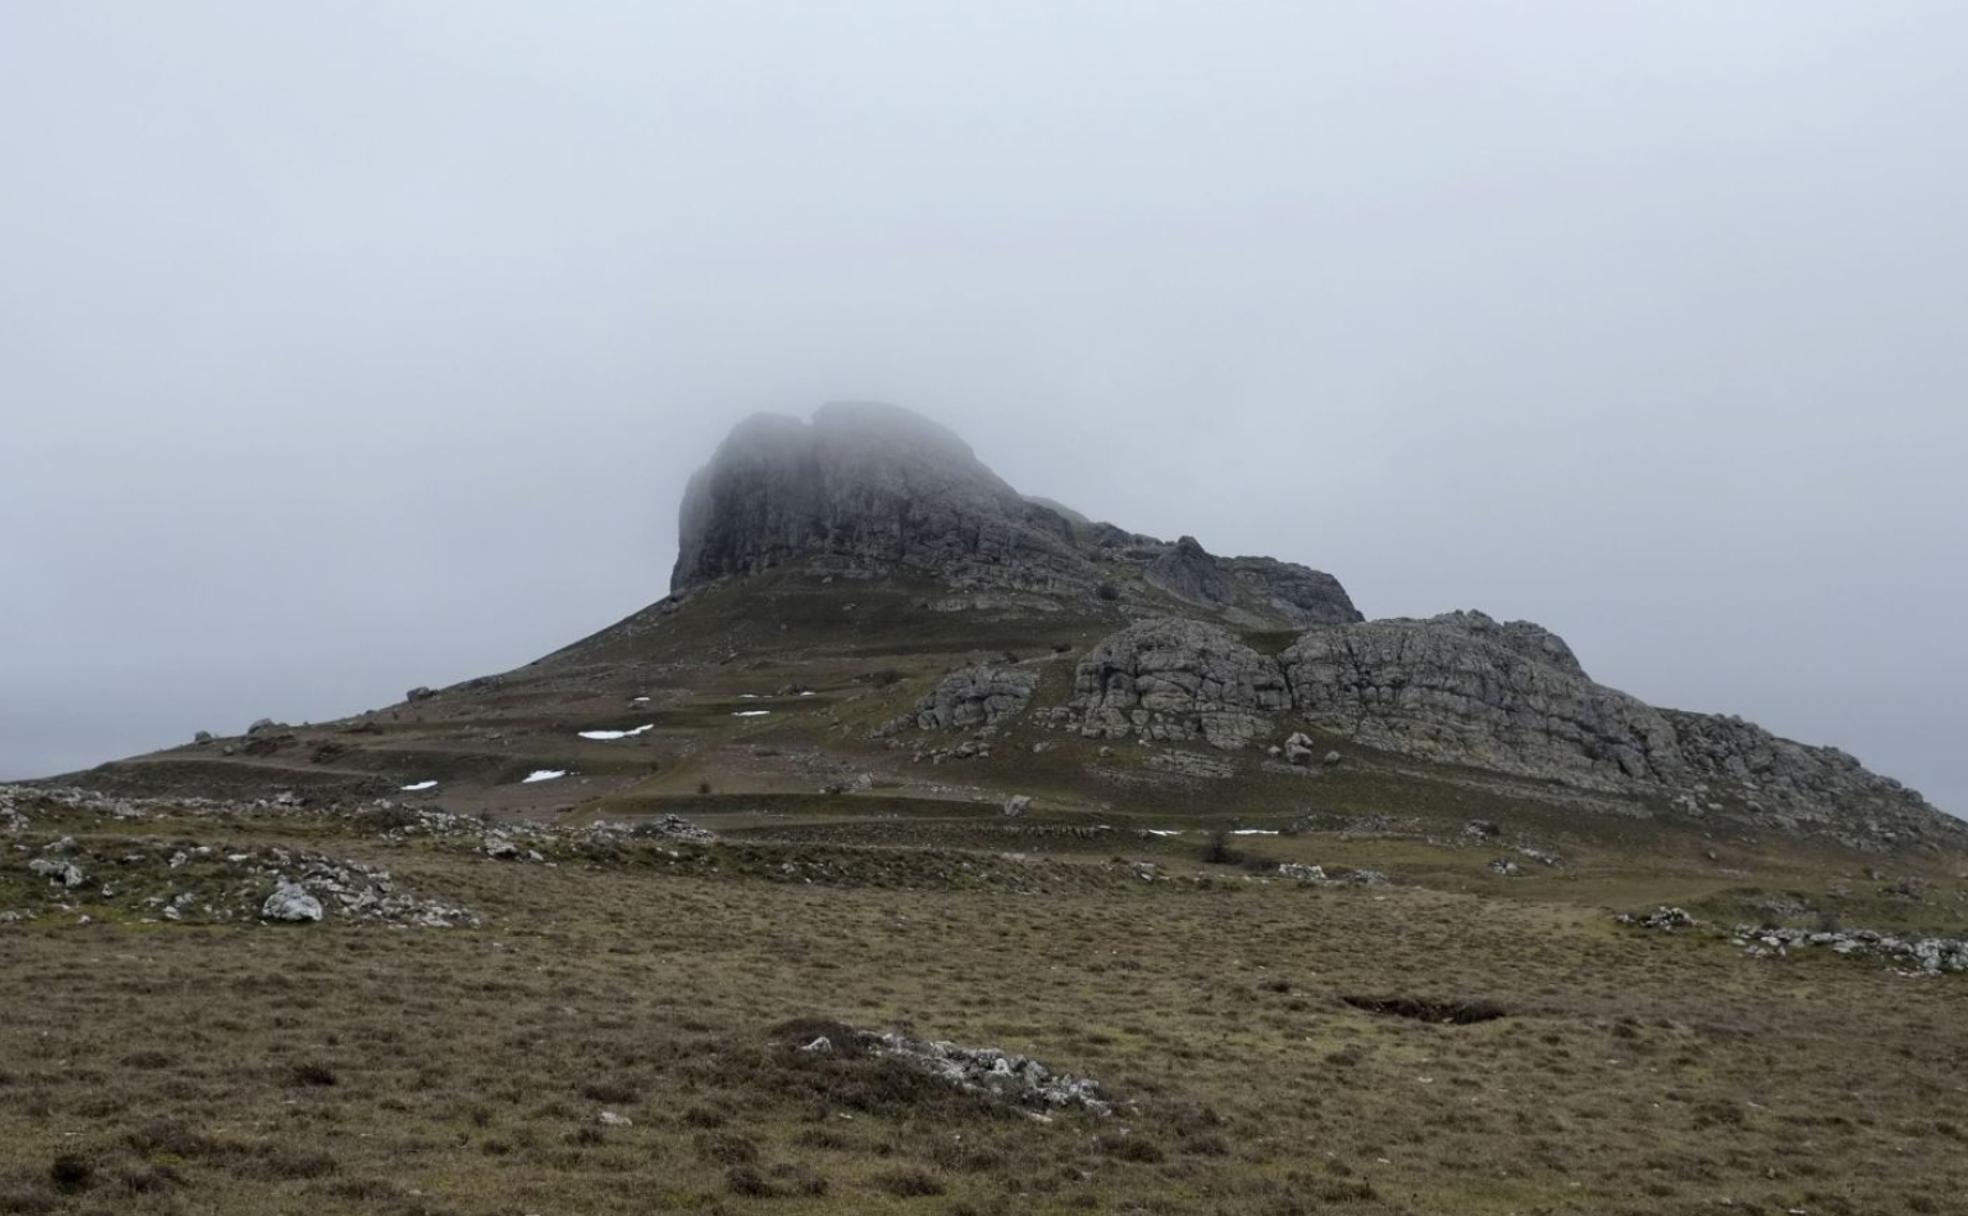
(70, 1174)
(1108, 592)
(703, 787)
(1217, 850)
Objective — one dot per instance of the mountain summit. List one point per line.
(859, 602)
(875, 489)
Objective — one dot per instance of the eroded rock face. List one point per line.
(867, 484)
(1462, 687)
(1250, 589)
(978, 695)
(1177, 680)
(874, 488)
(1466, 689)
(1513, 698)
(1299, 594)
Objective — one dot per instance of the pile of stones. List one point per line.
(157, 880)
(987, 1071)
(1338, 876)
(1925, 955)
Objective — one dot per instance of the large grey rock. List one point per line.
(1250, 590)
(1513, 698)
(290, 902)
(1462, 687)
(978, 695)
(1177, 680)
(65, 873)
(1189, 572)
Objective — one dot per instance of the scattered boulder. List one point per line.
(1663, 918)
(419, 693)
(1298, 749)
(1018, 804)
(202, 737)
(990, 1071)
(63, 873)
(291, 903)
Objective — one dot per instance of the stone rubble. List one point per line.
(1923, 955)
(986, 1071)
(1918, 955)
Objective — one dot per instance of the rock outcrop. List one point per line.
(875, 488)
(1465, 689)
(1250, 590)
(974, 696)
(1513, 698)
(864, 484)
(1177, 680)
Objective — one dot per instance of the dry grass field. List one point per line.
(1256, 1032)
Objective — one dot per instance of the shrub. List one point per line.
(71, 1173)
(1108, 592)
(1217, 850)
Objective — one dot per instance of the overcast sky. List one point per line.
(350, 347)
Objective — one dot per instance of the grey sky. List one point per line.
(350, 347)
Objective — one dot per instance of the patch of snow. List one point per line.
(606, 735)
(639, 700)
(748, 696)
(421, 785)
(751, 713)
(1253, 832)
(1164, 831)
(807, 693)
(543, 774)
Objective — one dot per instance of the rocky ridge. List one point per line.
(1466, 689)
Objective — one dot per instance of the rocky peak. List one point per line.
(1187, 571)
(875, 487)
(862, 482)
(1526, 638)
